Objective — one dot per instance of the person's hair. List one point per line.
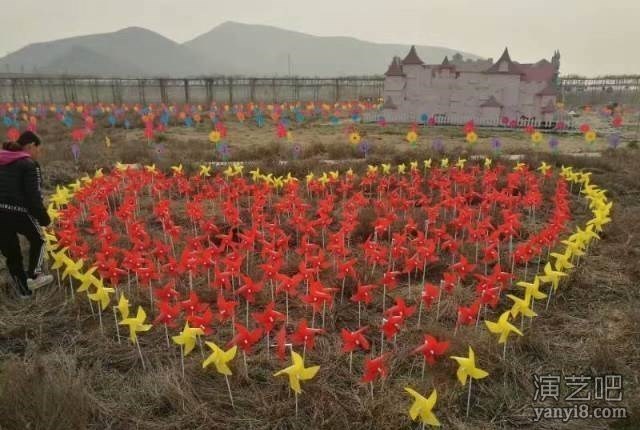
(11, 146)
(28, 137)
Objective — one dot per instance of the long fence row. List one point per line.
(25, 88)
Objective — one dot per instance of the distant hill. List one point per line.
(132, 51)
(263, 50)
(229, 49)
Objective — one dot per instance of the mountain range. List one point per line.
(228, 49)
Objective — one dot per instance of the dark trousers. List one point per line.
(13, 224)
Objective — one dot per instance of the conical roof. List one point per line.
(412, 57)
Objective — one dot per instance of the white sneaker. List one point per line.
(40, 281)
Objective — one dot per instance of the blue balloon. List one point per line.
(188, 122)
(334, 120)
(424, 118)
(299, 117)
(112, 120)
(8, 122)
(68, 121)
(127, 124)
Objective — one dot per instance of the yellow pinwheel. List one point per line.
(503, 327)
(487, 163)
(427, 164)
(53, 213)
(88, 280)
(205, 170)
(461, 162)
(422, 407)
(123, 307)
(324, 179)
(386, 168)
(444, 163)
(220, 358)
(75, 186)
(215, 136)
(532, 288)
(297, 372)
(151, 169)
(107, 142)
(372, 169)
(177, 170)
(413, 165)
(255, 175)
(51, 241)
(290, 178)
(563, 261)
(412, 136)
(60, 259)
(229, 172)
(121, 167)
(467, 368)
(575, 247)
(187, 338)
(61, 197)
(309, 177)
(544, 168)
(521, 306)
(238, 168)
(519, 167)
(102, 296)
(334, 174)
(401, 169)
(552, 276)
(72, 268)
(136, 324)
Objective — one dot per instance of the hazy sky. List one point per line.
(594, 36)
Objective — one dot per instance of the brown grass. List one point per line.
(57, 371)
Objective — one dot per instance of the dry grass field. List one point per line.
(58, 372)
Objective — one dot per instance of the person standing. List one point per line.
(22, 212)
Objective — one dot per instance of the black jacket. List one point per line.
(20, 184)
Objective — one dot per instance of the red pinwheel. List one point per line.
(363, 294)
(244, 338)
(389, 280)
(463, 268)
(318, 296)
(193, 305)
(400, 309)
(288, 284)
(250, 288)
(429, 294)
(78, 135)
(226, 309)
(431, 349)
(13, 134)
(449, 281)
(353, 340)
(467, 315)
(305, 335)
(375, 368)
(202, 321)
(281, 343)
(167, 292)
(269, 318)
(391, 326)
(168, 314)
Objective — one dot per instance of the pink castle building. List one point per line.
(483, 91)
